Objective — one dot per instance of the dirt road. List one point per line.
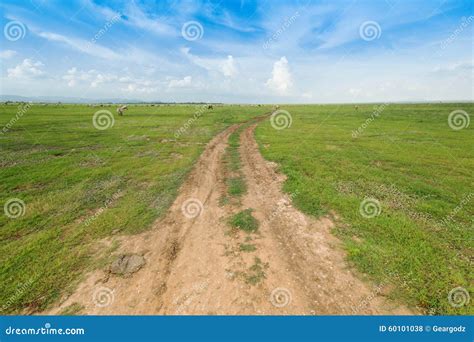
(195, 264)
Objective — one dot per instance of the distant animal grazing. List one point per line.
(121, 109)
(356, 107)
(210, 107)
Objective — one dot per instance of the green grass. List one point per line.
(233, 156)
(414, 164)
(244, 220)
(81, 185)
(72, 310)
(256, 272)
(236, 186)
(244, 247)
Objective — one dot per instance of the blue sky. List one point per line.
(239, 51)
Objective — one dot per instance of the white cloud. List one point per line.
(73, 76)
(102, 78)
(140, 85)
(125, 79)
(185, 82)
(203, 63)
(26, 70)
(6, 54)
(224, 18)
(95, 79)
(459, 66)
(228, 67)
(281, 80)
(355, 91)
(76, 77)
(143, 87)
(126, 53)
(81, 45)
(101, 11)
(136, 17)
(70, 77)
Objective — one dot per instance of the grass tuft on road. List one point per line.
(256, 272)
(235, 181)
(244, 247)
(236, 186)
(233, 156)
(244, 220)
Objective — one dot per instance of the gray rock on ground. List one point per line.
(127, 264)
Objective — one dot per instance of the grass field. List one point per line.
(412, 169)
(80, 184)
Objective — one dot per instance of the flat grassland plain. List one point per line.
(397, 178)
(67, 172)
(419, 171)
